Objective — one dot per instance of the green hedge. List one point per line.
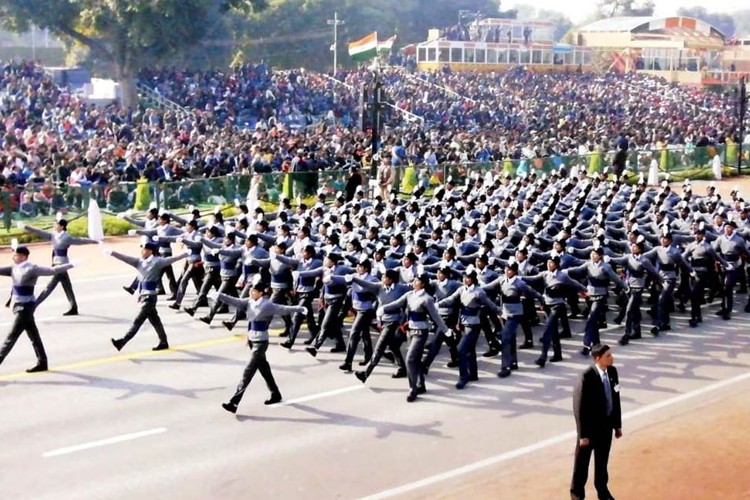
(79, 227)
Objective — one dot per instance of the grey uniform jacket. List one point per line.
(556, 284)
(149, 270)
(303, 284)
(471, 299)
(444, 289)
(637, 268)
(420, 308)
(259, 314)
(667, 260)
(599, 276)
(731, 249)
(60, 243)
(386, 295)
(512, 291)
(24, 277)
(702, 256)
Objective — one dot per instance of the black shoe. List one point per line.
(421, 389)
(37, 369)
(742, 290)
(526, 345)
(461, 384)
(603, 325)
(275, 398)
(452, 363)
(312, 351)
(540, 362)
(310, 341)
(362, 376)
(175, 306)
(721, 312)
(339, 348)
(364, 362)
(161, 347)
(389, 356)
(635, 336)
(411, 397)
(284, 334)
(556, 358)
(618, 320)
(190, 310)
(586, 351)
(345, 367)
(228, 325)
(747, 307)
(491, 353)
(206, 320)
(655, 331)
(171, 298)
(700, 319)
(474, 378)
(693, 323)
(425, 369)
(161, 291)
(401, 373)
(118, 344)
(129, 290)
(504, 373)
(230, 407)
(72, 312)
(681, 307)
(566, 335)
(286, 345)
(514, 366)
(726, 316)
(624, 340)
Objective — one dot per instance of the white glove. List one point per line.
(132, 232)
(180, 239)
(379, 312)
(21, 225)
(155, 238)
(75, 263)
(213, 295)
(302, 310)
(100, 242)
(295, 275)
(327, 278)
(694, 274)
(348, 278)
(121, 215)
(450, 333)
(106, 251)
(215, 251)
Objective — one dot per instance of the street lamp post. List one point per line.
(335, 22)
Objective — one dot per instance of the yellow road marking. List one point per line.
(136, 355)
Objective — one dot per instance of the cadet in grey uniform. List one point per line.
(363, 303)
(420, 308)
(61, 242)
(472, 300)
(24, 275)
(228, 255)
(732, 248)
(444, 286)
(259, 312)
(281, 283)
(334, 295)
(304, 291)
(193, 269)
(703, 258)
(149, 268)
(211, 267)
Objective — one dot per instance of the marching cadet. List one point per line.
(512, 291)
(149, 268)
(61, 242)
(732, 249)
(444, 286)
(159, 234)
(556, 286)
(251, 250)
(304, 291)
(598, 274)
(472, 300)
(259, 311)
(193, 269)
(211, 268)
(667, 258)
(637, 268)
(281, 284)
(24, 275)
(334, 295)
(419, 307)
(228, 255)
(490, 322)
(702, 258)
(363, 303)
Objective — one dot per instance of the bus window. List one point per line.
(502, 56)
(546, 57)
(513, 56)
(468, 55)
(444, 55)
(431, 54)
(536, 57)
(525, 56)
(480, 55)
(457, 55)
(422, 54)
(492, 56)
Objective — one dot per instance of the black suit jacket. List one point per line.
(590, 404)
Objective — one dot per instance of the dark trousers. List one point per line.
(433, 349)
(190, 272)
(281, 296)
(169, 272)
(591, 333)
(360, 330)
(508, 339)
(633, 312)
(24, 321)
(227, 287)
(730, 279)
(306, 300)
(211, 279)
(331, 326)
(697, 294)
(390, 337)
(556, 315)
(417, 341)
(491, 326)
(599, 445)
(467, 354)
(148, 312)
(258, 362)
(64, 280)
(665, 304)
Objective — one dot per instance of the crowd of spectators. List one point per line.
(254, 119)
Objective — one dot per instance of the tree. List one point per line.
(128, 35)
(616, 8)
(742, 22)
(723, 22)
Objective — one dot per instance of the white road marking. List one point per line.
(568, 436)
(321, 395)
(104, 442)
(75, 281)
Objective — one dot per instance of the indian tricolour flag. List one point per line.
(386, 46)
(365, 48)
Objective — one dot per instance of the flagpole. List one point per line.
(335, 22)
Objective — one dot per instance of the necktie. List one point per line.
(607, 392)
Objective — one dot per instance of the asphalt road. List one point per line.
(104, 424)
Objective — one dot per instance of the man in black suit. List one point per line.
(596, 406)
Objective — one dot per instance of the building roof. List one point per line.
(652, 24)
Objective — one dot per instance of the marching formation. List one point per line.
(479, 258)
